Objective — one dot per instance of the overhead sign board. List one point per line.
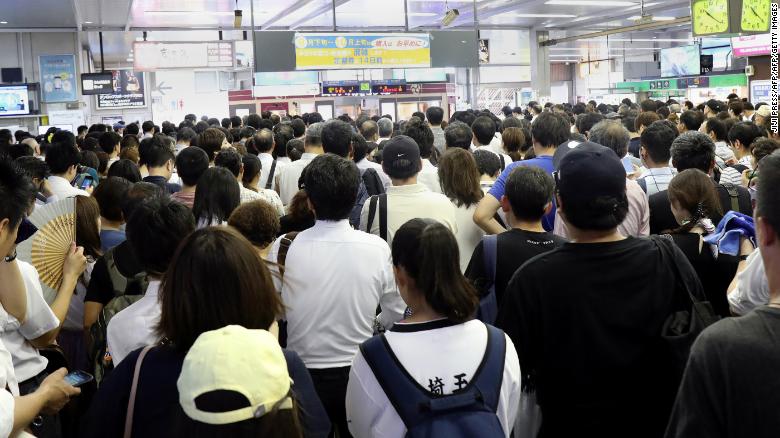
(752, 45)
(128, 91)
(156, 55)
(97, 83)
(320, 51)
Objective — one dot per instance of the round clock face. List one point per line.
(755, 15)
(710, 16)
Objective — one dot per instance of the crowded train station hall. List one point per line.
(387, 219)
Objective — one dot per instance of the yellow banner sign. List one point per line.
(324, 51)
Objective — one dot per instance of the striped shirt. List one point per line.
(656, 180)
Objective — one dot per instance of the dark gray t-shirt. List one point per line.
(731, 386)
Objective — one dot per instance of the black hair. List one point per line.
(428, 253)
(20, 150)
(61, 155)
(247, 132)
(511, 122)
(155, 229)
(488, 163)
(283, 132)
(421, 133)
(693, 150)
(252, 166)
(359, 147)
(108, 141)
(235, 121)
(648, 106)
(717, 126)
(89, 159)
(657, 140)
(484, 129)
(132, 129)
(529, 190)
(253, 120)
(385, 127)
(32, 167)
(612, 134)
(315, 118)
(16, 191)
(295, 149)
(458, 135)
(299, 128)
(110, 194)
(337, 137)
(155, 152)
(586, 121)
(125, 169)
(601, 213)
(190, 165)
(186, 134)
(550, 129)
(230, 160)
(767, 205)
(147, 126)
(745, 132)
(217, 195)
(137, 194)
(692, 120)
(331, 183)
(225, 122)
(435, 115)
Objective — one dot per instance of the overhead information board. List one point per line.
(321, 51)
(97, 83)
(156, 55)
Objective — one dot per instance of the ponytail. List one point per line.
(428, 252)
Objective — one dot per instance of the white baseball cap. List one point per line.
(233, 358)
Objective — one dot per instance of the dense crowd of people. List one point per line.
(555, 270)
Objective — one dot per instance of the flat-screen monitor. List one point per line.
(14, 100)
(97, 83)
(680, 61)
(11, 75)
(752, 45)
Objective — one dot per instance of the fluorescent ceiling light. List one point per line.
(422, 14)
(3, 22)
(538, 15)
(567, 48)
(129, 60)
(565, 55)
(165, 13)
(581, 19)
(647, 40)
(589, 3)
(634, 48)
(87, 22)
(655, 18)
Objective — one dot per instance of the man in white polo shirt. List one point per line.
(331, 310)
(289, 175)
(63, 158)
(406, 199)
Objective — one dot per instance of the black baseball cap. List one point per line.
(401, 157)
(590, 171)
(563, 149)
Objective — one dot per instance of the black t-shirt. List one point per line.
(662, 219)
(715, 274)
(100, 288)
(513, 248)
(730, 387)
(586, 320)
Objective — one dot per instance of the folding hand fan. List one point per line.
(47, 249)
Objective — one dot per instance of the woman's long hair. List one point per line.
(459, 177)
(216, 196)
(87, 229)
(694, 191)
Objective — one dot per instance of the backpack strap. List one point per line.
(503, 162)
(490, 255)
(383, 216)
(133, 391)
(733, 194)
(371, 213)
(642, 183)
(270, 180)
(284, 247)
(414, 404)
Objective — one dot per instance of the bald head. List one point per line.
(369, 130)
(612, 134)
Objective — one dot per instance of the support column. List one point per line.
(540, 64)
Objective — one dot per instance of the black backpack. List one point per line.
(372, 181)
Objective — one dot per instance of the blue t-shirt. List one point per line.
(110, 239)
(546, 163)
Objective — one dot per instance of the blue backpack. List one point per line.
(469, 412)
(488, 304)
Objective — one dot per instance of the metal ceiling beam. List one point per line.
(638, 27)
(321, 10)
(129, 16)
(606, 19)
(76, 14)
(292, 8)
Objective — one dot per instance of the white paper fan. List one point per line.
(47, 249)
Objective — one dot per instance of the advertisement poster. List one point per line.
(760, 91)
(484, 51)
(128, 91)
(318, 51)
(58, 78)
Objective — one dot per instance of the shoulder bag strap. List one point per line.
(284, 247)
(490, 255)
(490, 374)
(133, 391)
(371, 213)
(383, 216)
(665, 246)
(733, 195)
(270, 181)
(503, 162)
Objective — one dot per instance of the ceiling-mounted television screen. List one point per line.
(680, 61)
(14, 100)
(97, 83)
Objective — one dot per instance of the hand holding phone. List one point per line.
(78, 378)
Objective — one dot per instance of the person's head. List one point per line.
(129, 142)
(528, 194)
(693, 198)
(385, 127)
(109, 142)
(401, 158)
(88, 225)
(283, 133)
(148, 127)
(421, 133)
(435, 115)
(17, 192)
(715, 128)
(656, 143)
(586, 121)
(110, 194)
(157, 155)
(258, 221)
(37, 170)
(186, 136)
(359, 148)
(216, 278)
(132, 129)
(459, 177)
(735, 108)
(693, 150)
(690, 121)
(253, 120)
(331, 183)
(591, 189)
(230, 160)
(763, 147)
(235, 122)
(190, 165)
(483, 129)
(513, 140)
(742, 135)
(155, 229)
(612, 134)
(427, 270)
(211, 140)
(458, 135)
(82, 130)
(337, 138)
(643, 120)
(126, 169)
(768, 217)
(217, 195)
(63, 157)
(252, 167)
(663, 112)
(369, 130)
(488, 163)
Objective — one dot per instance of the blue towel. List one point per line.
(729, 232)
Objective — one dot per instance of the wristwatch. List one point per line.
(11, 257)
